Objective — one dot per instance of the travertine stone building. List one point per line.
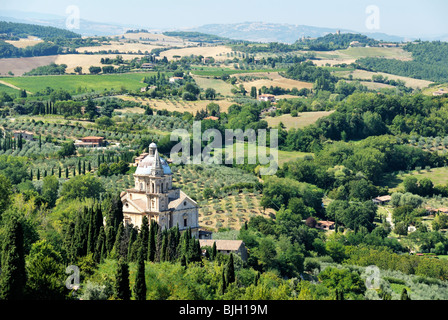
(153, 196)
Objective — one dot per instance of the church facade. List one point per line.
(153, 196)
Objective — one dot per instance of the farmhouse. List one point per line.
(325, 225)
(94, 142)
(155, 197)
(147, 66)
(382, 200)
(174, 79)
(27, 135)
(266, 97)
(227, 246)
(355, 44)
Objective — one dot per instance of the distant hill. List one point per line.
(275, 32)
(86, 27)
(12, 30)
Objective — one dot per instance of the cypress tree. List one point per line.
(116, 251)
(140, 283)
(404, 295)
(79, 167)
(13, 275)
(38, 174)
(144, 236)
(66, 172)
(83, 167)
(31, 174)
(19, 142)
(100, 248)
(40, 141)
(214, 251)
(159, 243)
(121, 286)
(230, 270)
(223, 285)
(74, 171)
(89, 167)
(153, 230)
(60, 173)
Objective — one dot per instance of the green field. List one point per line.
(437, 176)
(218, 72)
(283, 156)
(219, 85)
(8, 90)
(101, 82)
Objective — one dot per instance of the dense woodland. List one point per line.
(429, 62)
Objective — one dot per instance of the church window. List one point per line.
(185, 222)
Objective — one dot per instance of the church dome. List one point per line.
(145, 166)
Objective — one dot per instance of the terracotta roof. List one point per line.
(211, 118)
(232, 245)
(383, 198)
(92, 137)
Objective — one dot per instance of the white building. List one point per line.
(153, 196)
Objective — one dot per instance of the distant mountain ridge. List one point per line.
(251, 31)
(275, 32)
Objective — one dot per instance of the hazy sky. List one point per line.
(398, 17)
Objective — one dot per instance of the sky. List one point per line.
(395, 17)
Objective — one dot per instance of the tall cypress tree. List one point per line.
(214, 251)
(13, 275)
(100, 248)
(159, 244)
(116, 251)
(153, 230)
(66, 172)
(121, 287)
(230, 270)
(144, 236)
(140, 283)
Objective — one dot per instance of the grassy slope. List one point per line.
(72, 82)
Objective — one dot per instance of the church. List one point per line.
(153, 196)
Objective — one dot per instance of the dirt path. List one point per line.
(12, 86)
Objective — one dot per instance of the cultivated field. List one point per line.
(121, 47)
(87, 60)
(209, 51)
(154, 38)
(23, 43)
(72, 83)
(362, 74)
(222, 87)
(19, 66)
(273, 79)
(302, 120)
(179, 105)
